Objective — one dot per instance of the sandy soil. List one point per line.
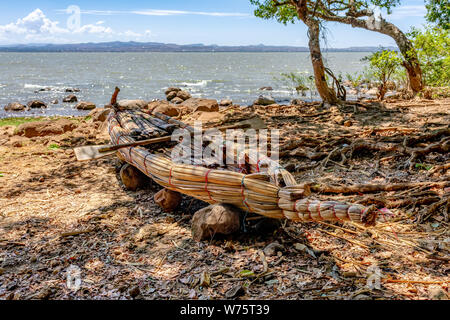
(57, 213)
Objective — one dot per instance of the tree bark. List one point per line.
(327, 94)
(411, 62)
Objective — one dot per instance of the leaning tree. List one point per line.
(356, 13)
(289, 12)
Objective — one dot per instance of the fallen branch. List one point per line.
(367, 188)
(75, 233)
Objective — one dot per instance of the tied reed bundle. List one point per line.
(258, 192)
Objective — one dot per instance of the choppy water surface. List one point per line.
(236, 76)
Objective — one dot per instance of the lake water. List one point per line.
(236, 76)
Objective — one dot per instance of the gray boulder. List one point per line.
(264, 101)
(70, 99)
(36, 104)
(132, 104)
(213, 220)
(84, 105)
(15, 106)
(197, 104)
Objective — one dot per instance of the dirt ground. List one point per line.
(56, 213)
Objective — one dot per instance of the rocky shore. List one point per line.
(178, 98)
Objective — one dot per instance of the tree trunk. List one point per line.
(327, 94)
(411, 62)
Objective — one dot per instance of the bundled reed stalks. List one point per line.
(259, 191)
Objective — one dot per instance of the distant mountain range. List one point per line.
(118, 46)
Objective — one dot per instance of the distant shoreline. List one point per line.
(131, 47)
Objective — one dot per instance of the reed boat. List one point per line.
(263, 188)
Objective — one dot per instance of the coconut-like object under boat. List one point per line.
(265, 188)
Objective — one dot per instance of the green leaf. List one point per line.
(246, 273)
(54, 147)
(423, 166)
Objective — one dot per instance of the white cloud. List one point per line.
(93, 29)
(36, 27)
(36, 23)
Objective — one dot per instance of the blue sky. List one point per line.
(228, 22)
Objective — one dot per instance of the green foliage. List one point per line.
(383, 64)
(266, 9)
(17, 121)
(54, 146)
(422, 166)
(439, 13)
(355, 79)
(284, 12)
(298, 82)
(433, 46)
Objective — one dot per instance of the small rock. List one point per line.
(43, 89)
(171, 89)
(266, 89)
(184, 95)
(171, 95)
(131, 177)
(15, 106)
(164, 107)
(84, 105)
(264, 101)
(45, 128)
(177, 100)
(168, 200)
(55, 101)
(36, 104)
(70, 99)
(72, 90)
(132, 104)
(215, 219)
(362, 297)
(225, 103)
(273, 248)
(197, 104)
